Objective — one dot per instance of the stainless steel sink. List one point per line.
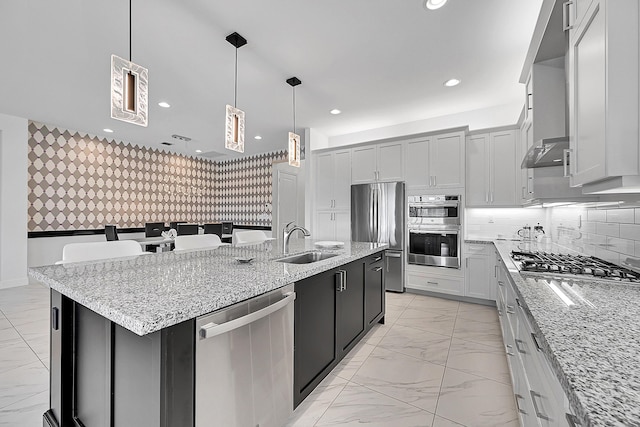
(306, 257)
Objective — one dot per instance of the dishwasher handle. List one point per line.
(214, 329)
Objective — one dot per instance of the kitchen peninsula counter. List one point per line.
(149, 292)
(593, 346)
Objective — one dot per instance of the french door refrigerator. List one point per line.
(378, 215)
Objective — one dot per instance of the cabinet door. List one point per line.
(390, 162)
(324, 180)
(526, 175)
(417, 163)
(341, 179)
(363, 165)
(477, 283)
(315, 328)
(588, 99)
(325, 226)
(477, 170)
(446, 159)
(504, 169)
(350, 306)
(528, 100)
(374, 288)
(342, 224)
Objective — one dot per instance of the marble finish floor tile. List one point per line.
(431, 321)
(392, 313)
(432, 304)
(398, 300)
(27, 412)
(317, 403)
(438, 421)
(480, 314)
(475, 401)
(405, 378)
(479, 332)
(414, 342)
(22, 383)
(357, 405)
(376, 334)
(15, 355)
(353, 361)
(478, 359)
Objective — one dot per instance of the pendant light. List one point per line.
(234, 122)
(294, 139)
(129, 88)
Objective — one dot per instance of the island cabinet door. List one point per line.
(350, 306)
(314, 331)
(374, 289)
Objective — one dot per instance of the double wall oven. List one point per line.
(434, 230)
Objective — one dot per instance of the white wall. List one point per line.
(13, 201)
(504, 115)
(493, 223)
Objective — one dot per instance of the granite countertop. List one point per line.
(593, 346)
(147, 293)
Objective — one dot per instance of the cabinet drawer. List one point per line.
(445, 285)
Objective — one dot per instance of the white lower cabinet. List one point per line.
(540, 399)
(434, 279)
(479, 268)
(333, 225)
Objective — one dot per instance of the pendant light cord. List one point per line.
(129, 30)
(294, 109)
(235, 90)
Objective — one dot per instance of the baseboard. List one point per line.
(4, 284)
(461, 298)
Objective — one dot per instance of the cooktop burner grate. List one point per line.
(582, 265)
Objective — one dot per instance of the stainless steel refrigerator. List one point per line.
(378, 215)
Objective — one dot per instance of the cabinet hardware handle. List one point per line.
(518, 404)
(377, 269)
(499, 312)
(530, 185)
(466, 262)
(500, 283)
(510, 309)
(523, 192)
(433, 283)
(566, 155)
(491, 196)
(539, 414)
(435, 180)
(342, 281)
(520, 350)
(566, 16)
(535, 341)
(214, 329)
(376, 260)
(495, 272)
(572, 420)
(529, 107)
(518, 302)
(509, 353)
(486, 197)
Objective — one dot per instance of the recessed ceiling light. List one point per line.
(434, 4)
(166, 143)
(164, 104)
(335, 111)
(107, 130)
(198, 151)
(257, 137)
(452, 82)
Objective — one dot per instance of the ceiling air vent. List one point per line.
(166, 143)
(181, 138)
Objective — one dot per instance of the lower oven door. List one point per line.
(439, 248)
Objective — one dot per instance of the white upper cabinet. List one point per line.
(446, 160)
(603, 91)
(380, 162)
(435, 161)
(333, 180)
(493, 169)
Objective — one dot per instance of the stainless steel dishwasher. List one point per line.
(244, 363)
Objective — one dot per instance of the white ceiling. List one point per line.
(381, 62)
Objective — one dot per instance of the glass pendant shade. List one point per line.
(294, 149)
(129, 91)
(234, 129)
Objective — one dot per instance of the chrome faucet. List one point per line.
(288, 230)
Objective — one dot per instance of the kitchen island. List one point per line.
(591, 341)
(132, 321)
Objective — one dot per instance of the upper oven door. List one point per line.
(434, 214)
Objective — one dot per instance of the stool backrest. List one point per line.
(197, 241)
(91, 251)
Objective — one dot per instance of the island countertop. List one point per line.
(593, 346)
(147, 293)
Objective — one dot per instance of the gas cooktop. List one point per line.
(573, 265)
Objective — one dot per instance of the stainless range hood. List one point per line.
(546, 153)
